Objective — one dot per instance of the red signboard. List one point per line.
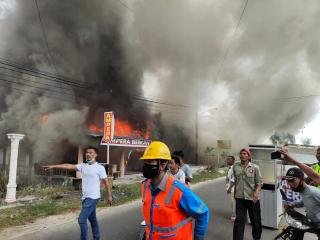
(108, 128)
(125, 141)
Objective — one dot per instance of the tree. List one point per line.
(306, 141)
(282, 138)
(209, 150)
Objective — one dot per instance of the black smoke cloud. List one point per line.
(85, 44)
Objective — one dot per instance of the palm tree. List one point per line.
(306, 141)
(282, 138)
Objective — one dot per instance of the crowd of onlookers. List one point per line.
(171, 210)
(243, 183)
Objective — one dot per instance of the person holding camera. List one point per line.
(311, 173)
(247, 181)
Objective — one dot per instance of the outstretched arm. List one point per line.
(305, 168)
(65, 166)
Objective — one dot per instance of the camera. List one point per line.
(276, 155)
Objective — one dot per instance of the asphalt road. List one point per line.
(122, 222)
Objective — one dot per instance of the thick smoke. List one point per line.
(185, 52)
(241, 82)
(83, 41)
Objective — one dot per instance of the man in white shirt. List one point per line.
(183, 166)
(230, 186)
(175, 170)
(92, 173)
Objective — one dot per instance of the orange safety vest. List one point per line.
(164, 218)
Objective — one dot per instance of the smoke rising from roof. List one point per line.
(177, 50)
(85, 43)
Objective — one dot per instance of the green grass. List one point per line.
(59, 199)
(28, 213)
(206, 175)
(51, 202)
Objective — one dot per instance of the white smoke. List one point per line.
(273, 55)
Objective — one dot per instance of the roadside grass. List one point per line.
(53, 200)
(205, 175)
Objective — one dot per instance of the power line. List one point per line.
(34, 93)
(43, 87)
(32, 71)
(299, 97)
(29, 80)
(125, 5)
(231, 40)
(59, 79)
(50, 59)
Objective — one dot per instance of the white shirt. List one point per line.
(91, 177)
(180, 176)
(229, 177)
(187, 170)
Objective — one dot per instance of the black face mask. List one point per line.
(150, 171)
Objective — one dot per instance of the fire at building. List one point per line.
(57, 101)
(119, 156)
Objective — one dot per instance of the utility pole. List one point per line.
(197, 136)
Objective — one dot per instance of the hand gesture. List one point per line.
(286, 155)
(286, 207)
(110, 200)
(47, 167)
(255, 197)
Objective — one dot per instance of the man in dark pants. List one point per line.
(247, 192)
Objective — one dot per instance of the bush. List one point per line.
(3, 181)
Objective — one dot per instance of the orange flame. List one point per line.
(125, 129)
(122, 129)
(95, 129)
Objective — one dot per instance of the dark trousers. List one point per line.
(242, 206)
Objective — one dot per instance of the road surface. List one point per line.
(122, 222)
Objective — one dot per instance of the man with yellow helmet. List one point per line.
(168, 205)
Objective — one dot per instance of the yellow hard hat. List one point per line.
(156, 150)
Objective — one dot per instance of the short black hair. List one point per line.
(91, 147)
(179, 153)
(176, 159)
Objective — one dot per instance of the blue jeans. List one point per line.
(88, 211)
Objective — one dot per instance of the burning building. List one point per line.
(60, 70)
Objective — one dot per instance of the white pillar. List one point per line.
(80, 160)
(12, 185)
(108, 154)
(122, 164)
